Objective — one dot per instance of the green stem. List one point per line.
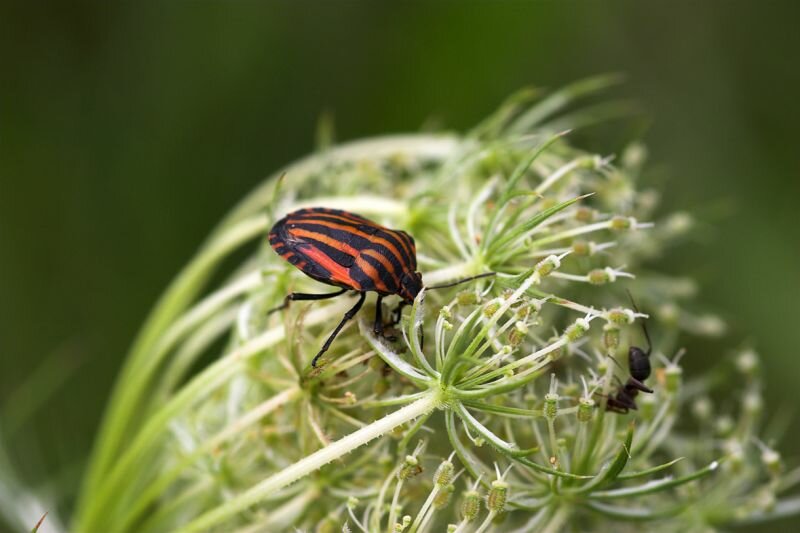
(311, 463)
(160, 484)
(139, 366)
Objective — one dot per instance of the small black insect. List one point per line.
(639, 366)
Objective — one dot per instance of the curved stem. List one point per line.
(311, 463)
(139, 365)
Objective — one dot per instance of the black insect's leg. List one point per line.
(303, 296)
(397, 314)
(377, 328)
(635, 384)
(347, 316)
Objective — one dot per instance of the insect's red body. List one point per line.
(348, 251)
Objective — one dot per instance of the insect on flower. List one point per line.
(639, 365)
(349, 251)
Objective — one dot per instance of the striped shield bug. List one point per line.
(351, 252)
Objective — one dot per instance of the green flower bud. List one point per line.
(620, 316)
(752, 402)
(547, 265)
(620, 223)
(496, 500)
(403, 525)
(444, 474)
(584, 214)
(723, 426)
(582, 248)
(471, 505)
(673, 375)
(772, 461)
(410, 468)
(444, 312)
(523, 311)
(467, 298)
(735, 453)
(491, 309)
(601, 276)
(444, 496)
(577, 330)
(747, 363)
(550, 406)
(517, 334)
(647, 406)
(585, 409)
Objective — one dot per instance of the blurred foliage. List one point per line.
(128, 130)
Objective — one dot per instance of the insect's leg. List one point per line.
(615, 407)
(635, 384)
(303, 296)
(397, 314)
(377, 328)
(347, 316)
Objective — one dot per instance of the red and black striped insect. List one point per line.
(349, 251)
(639, 367)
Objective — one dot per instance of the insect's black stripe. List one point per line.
(342, 258)
(368, 227)
(366, 281)
(386, 277)
(409, 240)
(364, 241)
(356, 241)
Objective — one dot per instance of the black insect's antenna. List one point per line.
(460, 281)
(644, 326)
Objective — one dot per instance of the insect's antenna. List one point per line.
(460, 281)
(644, 326)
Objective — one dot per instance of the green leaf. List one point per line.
(512, 235)
(413, 332)
(473, 465)
(632, 514)
(560, 99)
(391, 358)
(655, 486)
(649, 471)
(493, 126)
(504, 410)
(525, 164)
(611, 471)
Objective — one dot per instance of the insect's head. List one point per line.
(410, 285)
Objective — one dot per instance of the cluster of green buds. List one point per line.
(485, 408)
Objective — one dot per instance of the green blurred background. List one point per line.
(127, 131)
